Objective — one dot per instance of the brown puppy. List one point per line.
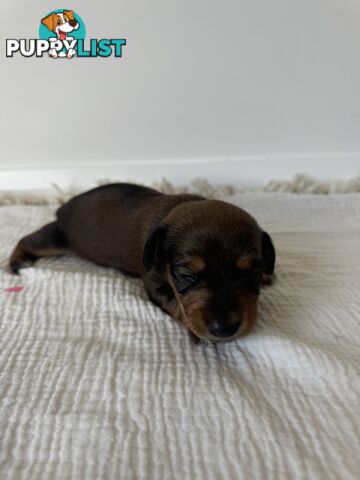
(202, 261)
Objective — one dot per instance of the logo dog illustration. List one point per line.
(61, 34)
(61, 24)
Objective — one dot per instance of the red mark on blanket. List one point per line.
(16, 289)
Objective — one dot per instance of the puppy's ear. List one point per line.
(154, 248)
(268, 253)
(69, 14)
(50, 21)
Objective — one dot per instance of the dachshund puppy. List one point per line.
(202, 261)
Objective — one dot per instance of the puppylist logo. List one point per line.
(62, 35)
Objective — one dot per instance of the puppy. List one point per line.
(61, 24)
(202, 261)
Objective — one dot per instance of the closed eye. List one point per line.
(184, 279)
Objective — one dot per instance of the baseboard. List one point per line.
(241, 172)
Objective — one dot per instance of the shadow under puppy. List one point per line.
(202, 261)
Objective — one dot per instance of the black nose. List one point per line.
(73, 23)
(222, 330)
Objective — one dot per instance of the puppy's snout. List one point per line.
(219, 329)
(73, 23)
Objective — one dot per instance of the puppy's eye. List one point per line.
(184, 279)
(59, 21)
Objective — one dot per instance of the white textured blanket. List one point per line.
(98, 383)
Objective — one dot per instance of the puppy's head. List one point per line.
(61, 23)
(214, 256)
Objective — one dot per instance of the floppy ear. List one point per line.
(69, 14)
(268, 253)
(50, 21)
(154, 247)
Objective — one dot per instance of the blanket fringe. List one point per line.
(300, 184)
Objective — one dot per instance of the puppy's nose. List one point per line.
(73, 23)
(222, 330)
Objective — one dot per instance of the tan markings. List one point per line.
(267, 279)
(50, 21)
(177, 296)
(69, 14)
(19, 253)
(23, 253)
(195, 306)
(192, 322)
(249, 307)
(196, 263)
(245, 261)
(50, 251)
(191, 312)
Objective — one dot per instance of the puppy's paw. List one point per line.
(71, 53)
(20, 258)
(16, 265)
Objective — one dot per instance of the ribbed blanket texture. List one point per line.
(98, 383)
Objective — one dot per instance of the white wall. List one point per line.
(199, 80)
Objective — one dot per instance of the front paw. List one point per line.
(71, 52)
(53, 53)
